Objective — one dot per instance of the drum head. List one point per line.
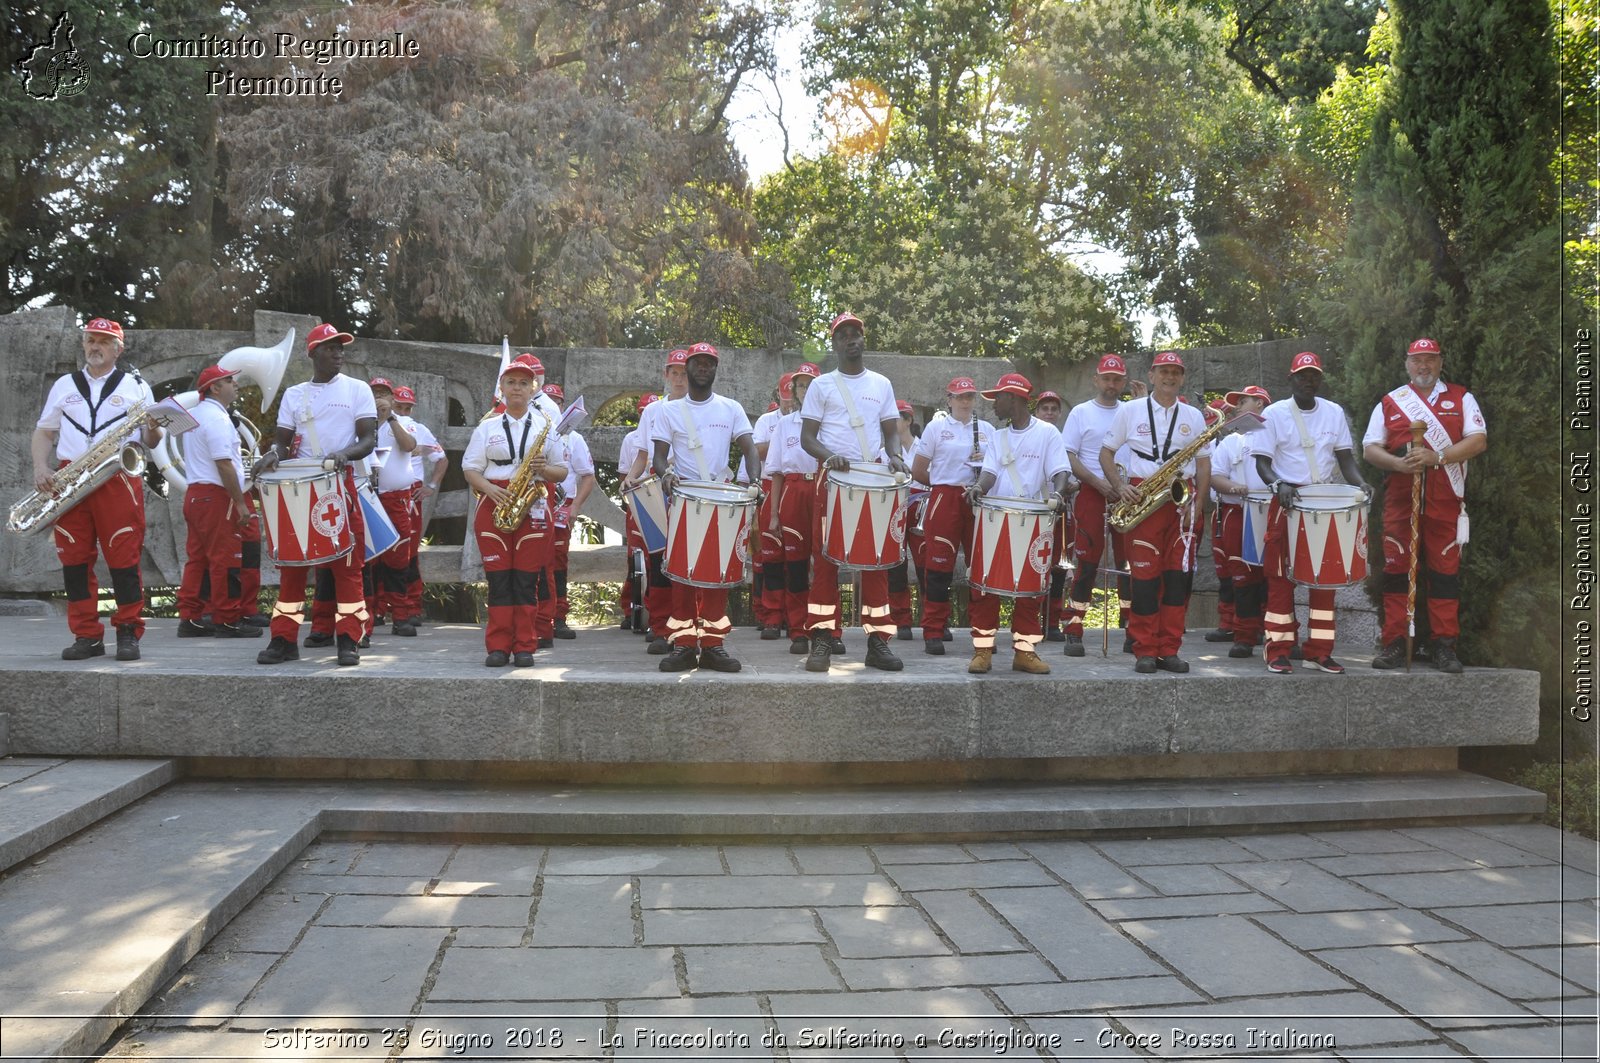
(871, 475)
(723, 494)
(1328, 497)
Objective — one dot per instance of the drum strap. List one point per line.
(849, 400)
(1308, 446)
(693, 432)
(1009, 460)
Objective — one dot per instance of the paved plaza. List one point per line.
(1472, 942)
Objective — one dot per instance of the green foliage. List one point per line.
(1574, 792)
(1578, 161)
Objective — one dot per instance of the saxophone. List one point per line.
(115, 452)
(525, 488)
(1166, 483)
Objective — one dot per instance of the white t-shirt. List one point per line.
(496, 456)
(785, 455)
(547, 406)
(718, 421)
(215, 442)
(874, 402)
(633, 444)
(69, 414)
(1231, 458)
(1280, 441)
(1131, 424)
(428, 449)
(579, 462)
(1037, 454)
(394, 474)
(947, 443)
(1471, 417)
(328, 412)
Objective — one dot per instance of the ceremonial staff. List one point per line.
(1417, 430)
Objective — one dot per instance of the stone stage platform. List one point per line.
(597, 710)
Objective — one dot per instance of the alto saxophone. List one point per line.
(526, 487)
(1163, 485)
(115, 452)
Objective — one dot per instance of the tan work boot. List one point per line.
(981, 661)
(1028, 661)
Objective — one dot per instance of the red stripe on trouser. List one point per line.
(1230, 543)
(214, 546)
(822, 604)
(391, 565)
(984, 611)
(699, 615)
(109, 522)
(350, 616)
(511, 628)
(1219, 562)
(1280, 624)
(1156, 548)
(250, 574)
(946, 527)
(795, 517)
(1089, 546)
(1436, 534)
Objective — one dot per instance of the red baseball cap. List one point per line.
(1303, 361)
(962, 385)
(1043, 395)
(1011, 383)
(1418, 346)
(381, 382)
(1110, 363)
(703, 348)
(807, 369)
(404, 396)
(105, 326)
(210, 375)
(555, 392)
(771, 406)
(322, 334)
(1252, 392)
(677, 357)
(531, 359)
(846, 318)
(786, 385)
(1168, 358)
(523, 363)
(1211, 414)
(903, 406)
(647, 398)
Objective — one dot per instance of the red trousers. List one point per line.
(767, 593)
(413, 553)
(110, 521)
(946, 527)
(351, 616)
(514, 566)
(1159, 595)
(1219, 563)
(214, 556)
(822, 602)
(1438, 563)
(699, 616)
(1248, 583)
(390, 572)
(1281, 626)
(555, 606)
(250, 558)
(797, 527)
(1026, 629)
(1089, 544)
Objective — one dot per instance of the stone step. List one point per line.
(44, 800)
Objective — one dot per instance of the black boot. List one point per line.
(1444, 656)
(1391, 656)
(82, 649)
(817, 661)
(127, 643)
(879, 655)
(194, 629)
(680, 659)
(349, 652)
(278, 650)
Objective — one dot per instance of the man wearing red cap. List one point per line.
(766, 596)
(1084, 432)
(214, 510)
(388, 575)
(1306, 441)
(514, 561)
(575, 491)
(82, 408)
(1159, 548)
(1234, 477)
(794, 475)
(429, 463)
(1028, 461)
(1047, 408)
(849, 416)
(658, 591)
(947, 458)
(332, 417)
(1454, 433)
(899, 576)
(691, 440)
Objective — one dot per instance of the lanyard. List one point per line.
(518, 451)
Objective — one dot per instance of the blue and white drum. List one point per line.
(648, 503)
(1253, 543)
(381, 534)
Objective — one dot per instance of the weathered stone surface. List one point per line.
(1305, 888)
(756, 968)
(1436, 994)
(1229, 957)
(928, 972)
(1484, 886)
(1086, 870)
(1055, 997)
(767, 891)
(1341, 930)
(339, 976)
(585, 910)
(1347, 1020)
(882, 931)
(985, 875)
(732, 926)
(967, 923)
(210, 989)
(1075, 940)
(425, 911)
(1179, 907)
(44, 801)
(1517, 925)
(1500, 971)
(555, 974)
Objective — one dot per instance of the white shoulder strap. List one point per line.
(849, 400)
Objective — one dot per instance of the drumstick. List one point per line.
(1417, 429)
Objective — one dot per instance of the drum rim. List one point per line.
(869, 468)
(311, 564)
(1031, 507)
(735, 494)
(1008, 594)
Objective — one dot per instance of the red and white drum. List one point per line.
(1253, 541)
(864, 517)
(1328, 536)
(307, 516)
(708, 534)
(1011, 540)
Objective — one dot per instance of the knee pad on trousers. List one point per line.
(1443, 585)
(561, 584)
(250, 554)
(500, 592)
(1395, 582)
(234, 587)
(1083, 582)
(541, 583)
(324, 584)
(1175, 587)
(658, 575)
(772, 575)
(1226, 591)
(125, 585)
(1058, 580)
(938, 586)
(799, 576)
(76, 579)
(1145, 596)
(524, 587)
(897, 579)
(1249, 599)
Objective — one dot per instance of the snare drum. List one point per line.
(306, 520)
(1011, 540)
(1327, 525)
(1253, 540)
(378, 531)
(708, 534)
(864, 517)
(648, 504)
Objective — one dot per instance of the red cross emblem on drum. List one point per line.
(328, 516)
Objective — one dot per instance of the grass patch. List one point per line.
(1574, 792)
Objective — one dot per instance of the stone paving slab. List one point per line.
(1228, 956)
(1524, 924)
(1410, 979)
(1341, 930)
(966, 922)
(43, 800)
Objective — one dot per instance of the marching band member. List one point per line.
(1214, 411)
(332, 414)
(82, 408)
(1233, 477)
(794, 475)
(691, 441)
(1454, 434)
(849, 415)
(1028, 461)
(899, 577)
(575, 491)
(1306, 441)
(429, 463)
(944, 460)
(658, 589)
(630, 452)
(215, 509)
(1085, 430)
(1047, 408)
(513, 561)
(766, 596)
(387, 575)
(1156, 429)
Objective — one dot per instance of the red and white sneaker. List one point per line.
(1280, 666)
(1324, 664)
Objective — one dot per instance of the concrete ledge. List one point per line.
(40, 809)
